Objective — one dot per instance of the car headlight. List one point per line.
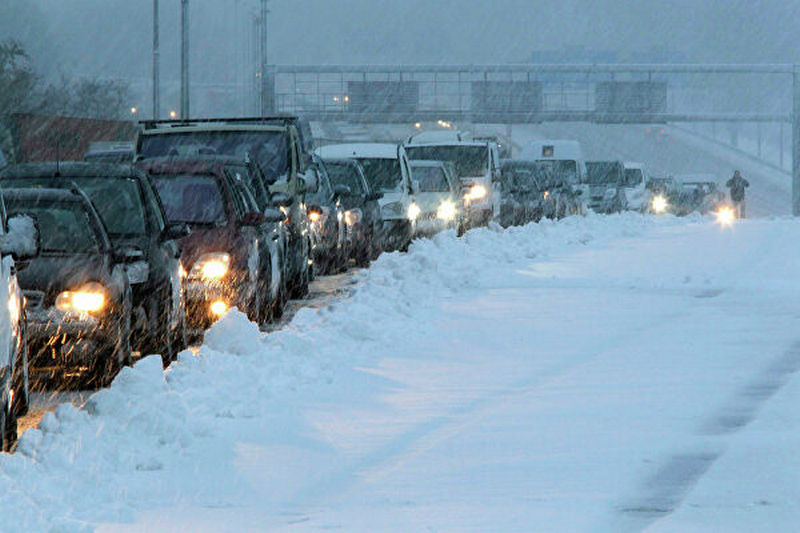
(138, 272)
(352, 216)
(211, 266)
(659, 204)
(413, 211)
(610, 194)
(476, 192)
(90, 298)
(446, 210)
(391, 210)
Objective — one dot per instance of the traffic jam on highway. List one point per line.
(139, 249)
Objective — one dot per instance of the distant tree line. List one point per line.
(23, 90)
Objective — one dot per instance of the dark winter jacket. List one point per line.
(737, 185)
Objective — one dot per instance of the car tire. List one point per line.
(21, 382)
(8, 424)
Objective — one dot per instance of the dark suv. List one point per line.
(362, 211)
(280, 146)
(134, 219)
(78, 297)
(228, 254)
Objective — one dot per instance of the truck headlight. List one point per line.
(89, 298)
(476, 192)
(659, 204)
(446, 211)
(413, 211)
(211, 266)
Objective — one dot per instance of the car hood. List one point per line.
(391, 197)
(429, 201)
(54, 274)
(205, 240)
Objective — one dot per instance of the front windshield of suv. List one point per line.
(64, 227)
(383, 174)
(431, 179)
(604, 173)
(268, 148)
(633, 177)
(191, 198)
(345, 174)
(528, 174)
(118, 200)
(469, 160)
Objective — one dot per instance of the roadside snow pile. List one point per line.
(133, 444)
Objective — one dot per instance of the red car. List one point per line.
(228, 254)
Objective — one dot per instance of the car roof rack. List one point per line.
(272, 120)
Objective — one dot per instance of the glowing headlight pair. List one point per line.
(659, 204)
(446, 211)
(352, 216)
(476, 192)
(90, 298)
(212, 266)
(413, 211)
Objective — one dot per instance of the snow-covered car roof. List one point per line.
(448, 143)
(439, 137)
(214, 127)
(358, 150)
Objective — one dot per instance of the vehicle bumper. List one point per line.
(201, 297)
(60, 339)
(429, 225)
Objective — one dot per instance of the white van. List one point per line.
(386, 169)
(478, 168)
(634, 186)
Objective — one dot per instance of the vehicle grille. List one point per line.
(34, 300)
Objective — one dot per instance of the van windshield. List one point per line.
(561, 171)
(633, 177)
(604, 173)
(469, 160)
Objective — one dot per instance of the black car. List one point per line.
(78, 297)
(326, 216)
(134, 218)
(362, 211)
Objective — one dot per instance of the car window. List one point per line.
(383, 175)
(120, 203)
(431, 179)
(191, 198)
(64, 227)
(252, 183)
(345, 174)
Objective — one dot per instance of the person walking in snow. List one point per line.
(737, 184)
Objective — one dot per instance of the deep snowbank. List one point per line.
(129, 449)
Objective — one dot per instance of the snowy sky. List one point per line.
(112, 37)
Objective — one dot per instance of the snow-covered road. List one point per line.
(603, 374)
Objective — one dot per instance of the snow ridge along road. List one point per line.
(529, 379)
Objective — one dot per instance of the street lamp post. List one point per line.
(156, 73)
(184, 59)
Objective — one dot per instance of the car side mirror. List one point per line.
(273, 215)
(253, 218)
(175, 231)
(340, 190)
(282, 199)
(22, 239)
(128, 255)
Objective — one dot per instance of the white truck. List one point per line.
(387, 171)
(635, 186)
(477, 166)
(568, 166)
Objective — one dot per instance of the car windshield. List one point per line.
(191, 198)
(603, 173)
(431, 179)
(268, 148)
(469, 160)
(118, 200)
(633, 177)
(528, 174)
(383, 174)
(64, 227)
(560, 171)
(345, 174)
